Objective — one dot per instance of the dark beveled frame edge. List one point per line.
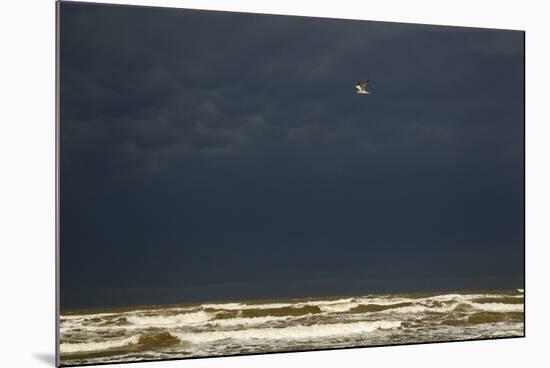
(57, 184)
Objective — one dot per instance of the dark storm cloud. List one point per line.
(203, 147)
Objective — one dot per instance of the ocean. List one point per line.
(250, 327)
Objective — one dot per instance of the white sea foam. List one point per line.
(241, 306)
(488, 307)
(498, 307)
(86, 316)
(226, 306)
(383, 301)
(327, 302)
(468, 297)
(451, 299)
(417, 309)
(249, 321)
(199, 328)
(173, 320)
(291, 333)
(341, 307)
(94, 346)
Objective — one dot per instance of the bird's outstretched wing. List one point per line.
(362, 87)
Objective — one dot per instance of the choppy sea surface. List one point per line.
(202, 330)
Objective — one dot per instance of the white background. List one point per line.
(27, 181)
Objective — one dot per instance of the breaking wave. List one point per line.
(498, 307)
(97, 345)
(292, 332)
(264, 326)
(173, 320)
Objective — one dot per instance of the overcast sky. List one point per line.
(203, 148)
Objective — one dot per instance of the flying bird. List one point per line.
(362, 88)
